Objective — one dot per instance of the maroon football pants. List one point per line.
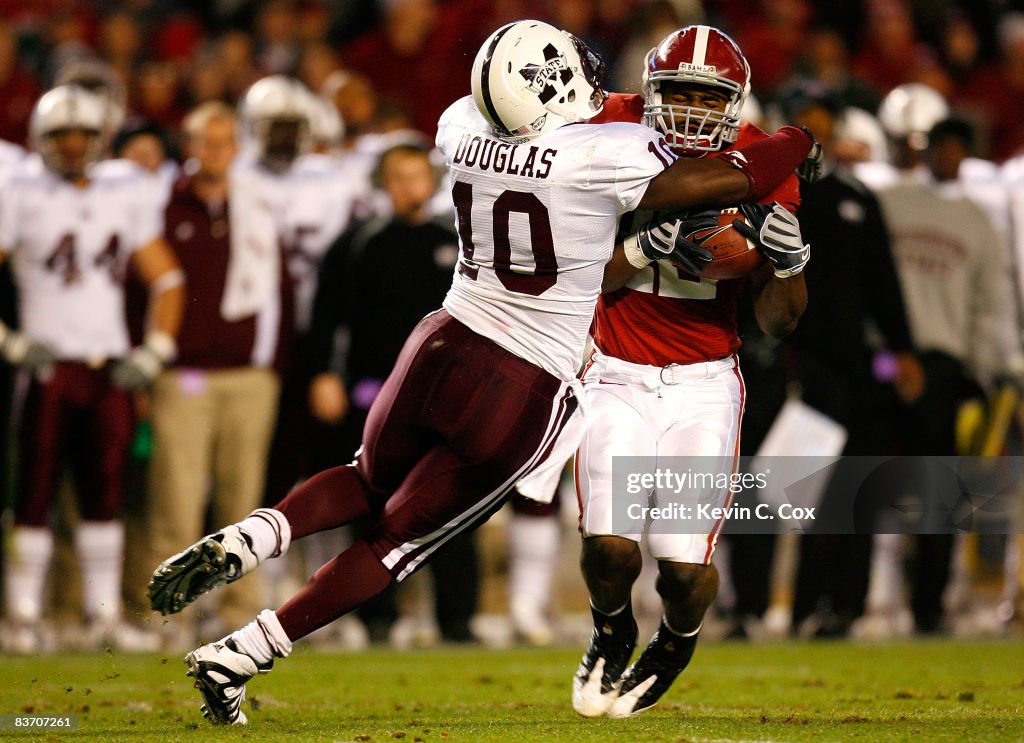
(75, 419)
(457, 423)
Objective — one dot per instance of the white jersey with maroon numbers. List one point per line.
(69, 248)
(312, 204)
(536, 224)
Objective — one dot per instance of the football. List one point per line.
(735, 255)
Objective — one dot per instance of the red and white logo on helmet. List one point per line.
(697, 56)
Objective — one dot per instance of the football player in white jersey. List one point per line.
(311, 197)
(483, 396)
(311, 193)
(70, 236)
(906, 113)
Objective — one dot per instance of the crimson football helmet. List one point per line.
(696, 55)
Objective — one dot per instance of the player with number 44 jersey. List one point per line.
(70, 234)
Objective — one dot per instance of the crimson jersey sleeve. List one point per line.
(788, 194)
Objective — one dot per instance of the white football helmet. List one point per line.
(909, 111)
(271, 100)
(530, 78)
(68, 107)
(857, 125)
(327, 126)
(100, 78)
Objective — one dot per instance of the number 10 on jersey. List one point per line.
(542, 246)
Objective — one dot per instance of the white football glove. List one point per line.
(21, 351)
(143, 363)
(777, 237)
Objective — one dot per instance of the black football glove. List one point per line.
(812, 167)
(666, 237)
(776, 233)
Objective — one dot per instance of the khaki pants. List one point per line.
(211, 433)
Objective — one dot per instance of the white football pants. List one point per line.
(692, 410)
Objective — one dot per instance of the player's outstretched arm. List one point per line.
(160, 270)
(618, 270)
(747, 173)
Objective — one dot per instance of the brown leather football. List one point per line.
(735, 256)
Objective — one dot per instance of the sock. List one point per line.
(334, 497)
(676, 644)
(99, 546)
(347, 581)
(533, 543)
(25, 576)
(886, 582)
(619, 621)
(269, 532)
(263, 639)
(693, 633)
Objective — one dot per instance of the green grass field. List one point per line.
(927, 690)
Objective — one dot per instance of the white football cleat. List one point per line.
(220, 674)
(217, 559)
(627, 703)
(26, 638)
(587, 698)
(647, 680)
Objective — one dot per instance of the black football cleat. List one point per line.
(595, 685)
(644, 683)
(214, 560)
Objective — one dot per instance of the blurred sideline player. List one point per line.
(310, 197)
(981, 238)
(213, 409)
(360, 291)
(482, 399)
(664, 381)
(906, 114)
(71, 233)
(953, 270)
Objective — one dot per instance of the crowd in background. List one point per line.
(374, 79)
(171, 56)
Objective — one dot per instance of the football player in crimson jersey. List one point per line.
(70, 232)
(482, 398)
(664, 381)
